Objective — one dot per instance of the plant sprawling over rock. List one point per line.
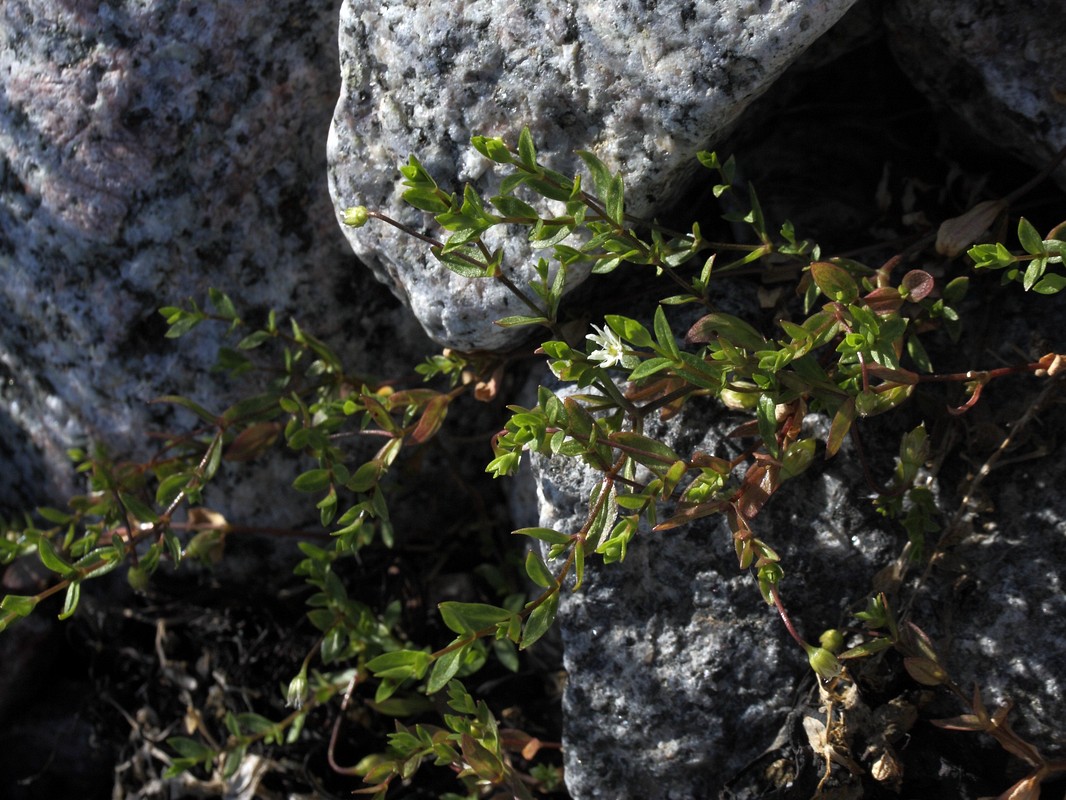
(848, 346)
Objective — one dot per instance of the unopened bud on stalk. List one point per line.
(832, 640)
(356, 216)
(823, 662)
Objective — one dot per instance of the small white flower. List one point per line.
(611, 350)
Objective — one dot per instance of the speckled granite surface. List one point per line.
(148, 151)
(643, 85)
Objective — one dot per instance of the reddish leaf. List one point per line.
(253, 441)
(760, 481)
(725, 326)
(919, 284)
(904, 376)
(834, 281)
(841, 425)
(965, 722)
(884, 301)
(432, 417)
(958, 233)
(925, 671)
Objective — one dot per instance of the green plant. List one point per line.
(851, 348)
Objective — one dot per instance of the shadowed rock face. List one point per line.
(642, 85)
(680, 678)
(149, 151)
(678, 673)
(998, 67)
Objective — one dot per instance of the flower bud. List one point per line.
(138, 578)
(356, 216)
(823, 662)
(832, 640)
(739, 401)
(297, 690)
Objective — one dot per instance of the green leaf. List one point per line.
(222, 303)
(664, 335)
(869, 648)
(629, 329)
(834, 281)
(173, 545)
(650, 367)
(519, 321)
(916, 350)
(555, 293)
(550, 190)
(234, 759)
(1051, 283)
(766, 413)
(651, 453)
(19, 605)
(615, 201)
(141, 510)
(471, 617)
(54, 515)
(467, 267)
(797, 458)
(601, 176)
(506, 654)
(527, 152)
(400, 665)
(110, 558)
(540, 620)
(365, 476)
(50, 558)
(493, 149)
(254, 340)
(511, 206)
(579, 554)
(548, 234)
(183, 324)
(444, 669)
(537, 570)
(1033, 272)
(956, 290)
(170, 487)
(991, 256)
(426, 198)
(186, 403)
(755, 217)
(544, 534)
(259, 405)
(314, 480)
(869, 404)
(213, 457)
(255, 723)
(1030, 238)
(191, 749)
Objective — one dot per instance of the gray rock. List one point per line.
(999, 610)
(680, 678)
(644, 86)
(147, 152)
(678, 673)
(999, 68)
